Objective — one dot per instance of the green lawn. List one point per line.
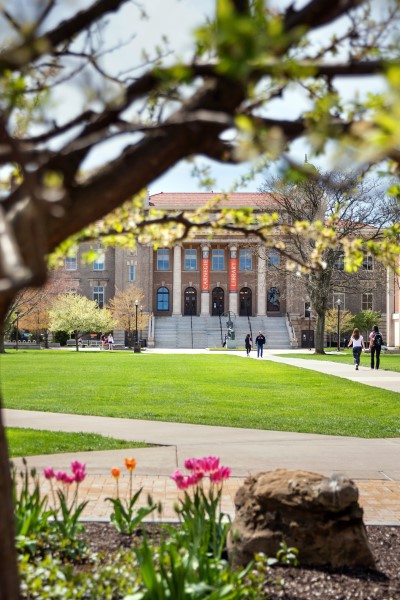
(389, 362)
(211, 389)
(31, 442)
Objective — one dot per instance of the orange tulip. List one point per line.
(130, 463)
(115, 472)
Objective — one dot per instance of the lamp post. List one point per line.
(309, 327)
(338, 304)
(17, 312)
(137, 347)
(141, 322)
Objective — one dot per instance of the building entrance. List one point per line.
(190, 302)
(217, 302)
(245, 302)
(273, 300)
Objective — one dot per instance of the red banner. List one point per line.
(233, 275)
(205, 275)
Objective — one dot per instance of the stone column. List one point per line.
(233, 280)
(205, 281)
(261, 285)
(177, 281)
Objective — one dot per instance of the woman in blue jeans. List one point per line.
(357, 342)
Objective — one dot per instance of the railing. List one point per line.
(248, 318)
(291, 331)
(220, 326)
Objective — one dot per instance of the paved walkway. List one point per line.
(374, 464)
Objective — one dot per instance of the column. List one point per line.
(205, 280)
(177, 281)
(233, 280)
(261, 285)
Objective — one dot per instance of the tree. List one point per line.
(365, 320)
(79, 315)
(243, 62)
(331, 322)
(34, 304)
(352, 207)
(123, 309)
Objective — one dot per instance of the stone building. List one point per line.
(193, 289)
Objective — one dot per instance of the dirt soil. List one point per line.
(301, 583)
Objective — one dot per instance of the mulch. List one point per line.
(299, 583)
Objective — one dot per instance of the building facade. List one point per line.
(209, 277)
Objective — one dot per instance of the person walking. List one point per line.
(357, 342)
(260, 341)
(375, 344)
(248, 343)
(110, 341)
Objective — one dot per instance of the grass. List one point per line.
(389, 362)
(210, 389)
(31, 442)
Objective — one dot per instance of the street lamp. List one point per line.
(309, 327)
(137, 347)
(17, 312)
(338, 304)
(141, 322)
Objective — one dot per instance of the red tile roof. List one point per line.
(193, 200)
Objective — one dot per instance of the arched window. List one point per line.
(163, 298)
(190, 307)
(273, 300)
(217, 300)
(245, 302)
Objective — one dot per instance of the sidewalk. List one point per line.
(373, 463)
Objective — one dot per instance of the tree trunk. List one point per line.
(9, 580)
(319, 334)
(46, 338)
(77, 340)
(2, 349)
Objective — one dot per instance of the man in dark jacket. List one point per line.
(260, 341)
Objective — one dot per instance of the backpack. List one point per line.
(377, 340)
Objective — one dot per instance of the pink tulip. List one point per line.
(60, 475)
(191, 464)
(77, 466)
(180, 480)
(79, 475)
(49, 473)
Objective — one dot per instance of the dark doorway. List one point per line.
(190, 304)
(245, 302)
(307, 338)
(273, 300)
(217, 302)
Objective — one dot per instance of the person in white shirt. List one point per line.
(357, 342)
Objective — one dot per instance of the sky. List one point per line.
(177, 19)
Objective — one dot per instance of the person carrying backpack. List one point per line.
(375, 344)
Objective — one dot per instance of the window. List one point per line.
(339, 262)
(98, 264)
(98, 295)
(368, 262)
(218, 260)
(163, 298)
(245, 260)
(190, 260)
(366, 301)
(71, 263)
(131, 272)
(273, 258)
(163, 260)
(307, 309)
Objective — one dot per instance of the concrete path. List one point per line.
(375, 464)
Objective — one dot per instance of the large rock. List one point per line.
(319, 516)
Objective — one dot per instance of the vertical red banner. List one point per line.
(205, 275)
(233, 275)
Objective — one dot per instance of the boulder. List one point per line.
(319, 516)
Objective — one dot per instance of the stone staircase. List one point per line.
(205, 332)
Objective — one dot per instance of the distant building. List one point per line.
(205, 278)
